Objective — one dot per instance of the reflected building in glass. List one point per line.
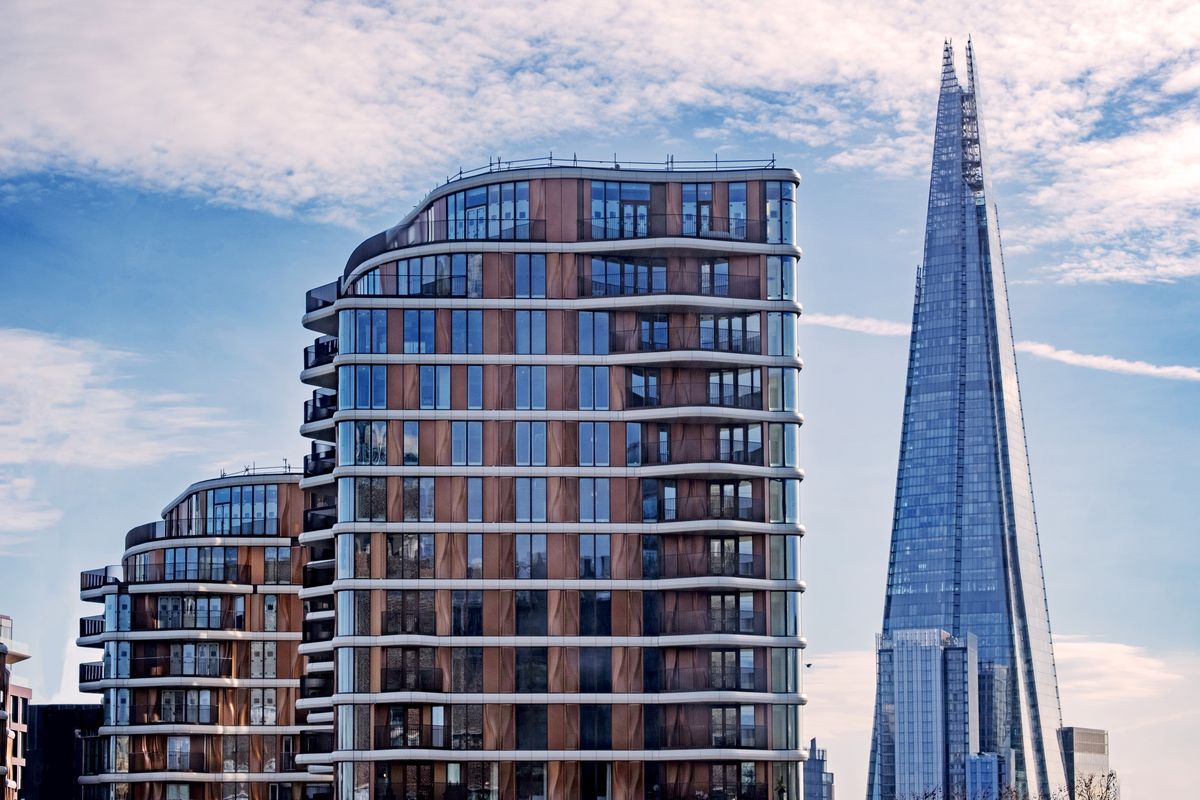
(552, 499)
(965, 569)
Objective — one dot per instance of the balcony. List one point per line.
(412, 680)
(321, 297)
(694, 393)
(706, 679)
(680, 337)
(320, 461)
(705, 565)
(751, 791)
(322, 406)
(414, 622)
(686, 623)
(320, 518)
(424, 231)
(315, 605)
(432, 737)
(644, 225)
(321, 551)
(96, 578)
(709, 450)
(91, 626)
(436, 791)
(320, 630)
(665, 281)
(316, 742)
(320, 352)
(704, 507)
(190, 573)
(223, 619)
(91, 671)
(317, 574)
(186, 715)
(316, 686)
(168, 762)
(201, 526)
(684, 737)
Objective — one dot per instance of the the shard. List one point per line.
(965, 568)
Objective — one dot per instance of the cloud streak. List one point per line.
(323, 108)
(1104, 363)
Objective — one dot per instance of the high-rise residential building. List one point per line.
(14, 713)
(200, 634)
(818, 778)
(965, 558)
(553, 497)
(54, 760)
(1089, 776)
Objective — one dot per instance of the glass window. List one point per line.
(434, 389)
(530, 269)
(466, 443)
(412, 443)
(781, 211)
(466, 612)
(530, 443)
(595, 727)
(362, 386)
(419, 331)
(781, 334)
(593, 500)
(697, 208)
(593, 388)
(593, 333)
(530, 332)
(781, 278)
(531, 555)
(531, 612)
(418, 499)
(466, 331)
(595, 669)
(362, 331)
(474, 499)
(595, 613)
(531, 387)
(498, 211)
(781, 388)
(531, 735)
(714, 277)
(783, 444)
(474, 555)
(784, 500)
(475, 387)
(410, 555)
(737, 211)
(531, 669)
(530, 499)
(593, 444)
(362, 443)
(594, 556)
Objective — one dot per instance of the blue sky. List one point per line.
(172, 179)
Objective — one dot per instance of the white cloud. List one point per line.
(1104, 672)
(324, 108)
(22, 510)
(883, 327)
(68, 404)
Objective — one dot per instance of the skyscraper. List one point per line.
(553, 492)
(1085, 751)
(965, 558)
(818, 779)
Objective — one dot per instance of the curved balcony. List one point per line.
(646, 225)
(688, 623)
(413, 680)
(706, 679)
(314, 686)
(174, 715)
(320, 352)
(201, 526)
(685, 791)
(320, 630)
(321, 297)
(320, 461)
(704, 507)
(91, 671)
(694, 393)
(420, 232)
(322, 406)
(91, 626)
(684, 337)
(97, 578)
(318, 573)
(709, 565)
(190, 573)
(668, 282)
(318, 518)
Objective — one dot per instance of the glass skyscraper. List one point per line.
(965, 558)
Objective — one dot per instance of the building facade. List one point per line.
(200, 633)
(553, 493)
(1089, 776)
(55, 755)
(965, 557)
(818, 778)
(14, 713)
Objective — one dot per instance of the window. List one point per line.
(783, 500)
(362, 386)
(633, 444)
(362, 443)
(620, 210)
(697, 208)
(593, 388)
(530, 275)
(595, 669)
(270, 612)
(595, 613)
(418, 499)
(362, 499)
(237, 509)
(466, 727)
(781, 388)
(741, 444)
(714, 277)
(782, 445)
(474, 555)
(262, 660)
(191, 705)
(179, 791)
(531, 776)
(650, 556)
(466, 614)
(593, 333)
(434, 387)
(613, 276)
(531, 555)
(659, 501)
(531, 499)
(781, 278)
(179, 754)
(781, 334)
(594, 559)
(530, 331)
(410, 555)
(262, 706)
(498, 211)
(595, 727)
(235, 751)
(466, 668)
(474, 499)
(531, 669)
(419, 331)
(593, 500)
(730, 499)
(653, 332)
(733, 333)
(475, 387)
(362, 331)
(643, 387)
(466, 443)
(277, 565)
(466, 331)
(785, 558)
(531, 730)
(737, 211)
(531, 612)
(409, 611)
(741, 388)
(412, 444)
(781, 212)
(785, 613)
(531, 387)
(457, 275)
(530, 443)
(731, 555)
(593, 444)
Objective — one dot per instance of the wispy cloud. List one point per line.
(313, 108)
(1092, 671)
(22, 509)
(69, 404)
(882, 327)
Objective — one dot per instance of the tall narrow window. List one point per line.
(466, 331)
(593, 444)
(530, 332)
(593, 333)
(737, 211)
(530, 277)
(531, 387)
(593, 388)
(697, 208)
(780, 203)
(530, 443)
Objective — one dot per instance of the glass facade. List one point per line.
(965, 557)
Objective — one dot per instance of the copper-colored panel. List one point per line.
(571, 718)
(508, 669)
(506, 558)
(450, 498)
(626, 555)
(441, 331)
(491, 669)
(506, 286)
(491, 275)
(563, 778)
(505, 504)
(570, 556)
(627, 727)
(505, 442)
(500, 382)
(557, 337)
(395, 498)
(411, 395)
(627, 669)
(458, 386)
(491, 331)
(491, 554)
(443, 609)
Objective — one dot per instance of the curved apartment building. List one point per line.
(200, 633)
(553, 497)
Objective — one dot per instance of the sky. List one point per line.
(174, 177)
